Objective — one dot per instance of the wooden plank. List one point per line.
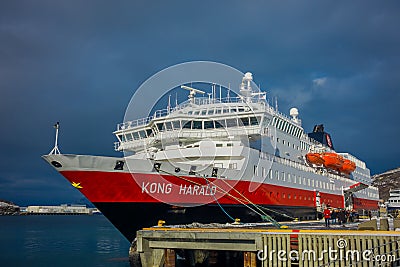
(270, 245)
(325, 244)
(279, 247)
(301, 260)
(370, 246)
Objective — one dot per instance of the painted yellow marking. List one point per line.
(282, 231)
(77, 185)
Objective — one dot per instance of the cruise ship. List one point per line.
(217, 158)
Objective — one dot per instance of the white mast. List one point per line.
(169, 104)
(55, 150)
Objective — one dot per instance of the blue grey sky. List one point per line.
(79, 62)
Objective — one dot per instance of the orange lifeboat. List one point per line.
(332, 160)
(348, 166)
(315, 158)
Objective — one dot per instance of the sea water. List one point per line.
(58, 240)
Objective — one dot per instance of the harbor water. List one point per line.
(61, 241)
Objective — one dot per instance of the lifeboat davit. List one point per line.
(348, 166)
(315, 158)
(332, 160)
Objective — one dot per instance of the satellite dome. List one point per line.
(294, 112)
(248, 76)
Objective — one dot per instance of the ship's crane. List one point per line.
(192, 91)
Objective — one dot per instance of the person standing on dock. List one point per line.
(327, 216)
(342, 216)
(334, 216)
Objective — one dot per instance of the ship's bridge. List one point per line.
(200, 118)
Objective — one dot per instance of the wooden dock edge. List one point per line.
(257, 247)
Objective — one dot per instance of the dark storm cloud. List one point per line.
(79, 62)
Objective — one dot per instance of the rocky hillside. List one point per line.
(8, 208)
(386, 181)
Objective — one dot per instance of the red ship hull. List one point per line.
(133, 201)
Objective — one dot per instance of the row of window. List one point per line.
(286, 143)
(291, 178)
(285, 195)
(192, 124)
(218, 110)
(287, 127)
(289, 196)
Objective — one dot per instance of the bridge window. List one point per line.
(168, 125)
(233, 110)
(210, 112)
(208, 124)
(241, 109)
(135, 136)
(218, 125)
(225, 110)
(187, 125)
(231, 122)
(254, 121)
(245, 121)
(142, 134)
(129, 137)
(176, 125)
(204, 112)
(149, 132)
(218, 111)
(160, 126)
(197, 125)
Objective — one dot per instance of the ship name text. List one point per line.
(167, 188)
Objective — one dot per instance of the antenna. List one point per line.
(192, 91)
(55, 150)
(169, 104)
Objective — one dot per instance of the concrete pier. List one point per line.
(168, 246)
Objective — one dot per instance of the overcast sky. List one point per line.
(79, 62)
